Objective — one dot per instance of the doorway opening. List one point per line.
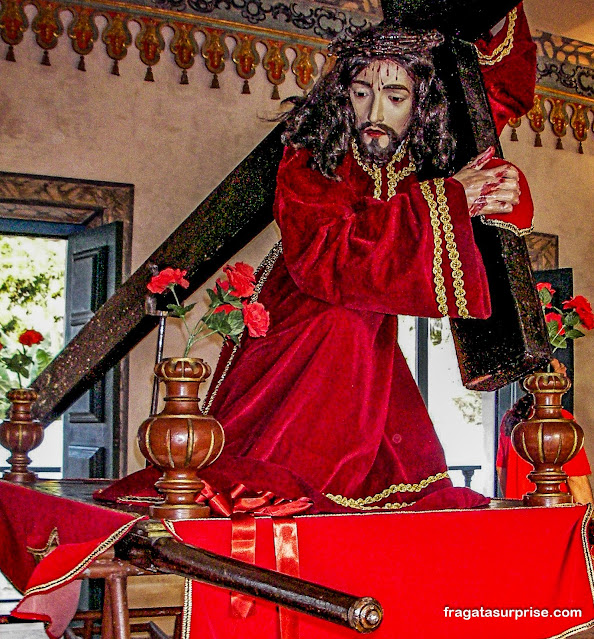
(32, 276)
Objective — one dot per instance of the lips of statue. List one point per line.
(382, 98)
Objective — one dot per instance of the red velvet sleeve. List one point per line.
(510, 74)
(579, 465)
(368, 254)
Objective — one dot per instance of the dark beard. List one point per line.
(373, 153)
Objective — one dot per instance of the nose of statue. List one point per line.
(376, 113)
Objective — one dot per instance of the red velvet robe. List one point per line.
(325, 403)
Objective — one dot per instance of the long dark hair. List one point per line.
(519, 412)
(324, 121)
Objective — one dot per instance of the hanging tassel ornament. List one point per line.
(580, 148)
(215, 82)
(559, 145)
(184, 77)
(115, 69)
(537, 140)
(148, 76)
(81, 63)
(246, 88)
(275, 93)
(45, 59)
(10, 54)
(514, 136)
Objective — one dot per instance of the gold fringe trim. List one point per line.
(363, 503)
(507, 225)
(187, 609)
(101, 548)
(504, 49)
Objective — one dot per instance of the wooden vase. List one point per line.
(547, 440)
(20, 434)
(180, 439)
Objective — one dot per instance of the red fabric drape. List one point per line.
(28, 520)
(417, 565)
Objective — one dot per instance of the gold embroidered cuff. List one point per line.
(504, 49)
(489, 221)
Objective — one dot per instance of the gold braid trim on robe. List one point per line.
(365, 503)
(439, 211)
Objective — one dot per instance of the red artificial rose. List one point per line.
(241, 277)
(555, 317)
(584, 310)
(256, 318)
(224, 284)
(246, 270)
(1, 346)
(550, 289)
(30, 337)
(225, 308)
(167, 278)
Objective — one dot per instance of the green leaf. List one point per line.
(218, 322)
(574, 333)
(571, 319)
(553, 329)
(213, 296)
(19, 363)
(176, 311)
(235, 319)
(545, 296)
(559, 341)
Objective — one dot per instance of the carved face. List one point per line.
(382, 98)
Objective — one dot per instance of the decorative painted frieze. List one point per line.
(564, 100)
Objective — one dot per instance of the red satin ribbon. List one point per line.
(286, 551)
(243, 547)
(241, 505)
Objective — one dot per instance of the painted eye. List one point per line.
(396, 99)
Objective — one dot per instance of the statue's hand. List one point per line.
(489, 190)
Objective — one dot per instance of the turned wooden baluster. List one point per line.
(547, 440)
(180, 439)
(20, 434)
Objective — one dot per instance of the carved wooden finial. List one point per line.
(20, 434)
(547, 440)
(180, 439)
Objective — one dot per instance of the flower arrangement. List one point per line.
(562, 323)
(230, 312)
(21, 363)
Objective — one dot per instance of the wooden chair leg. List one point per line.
(107, 616)
(116, 585)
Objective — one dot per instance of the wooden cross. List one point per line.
(513, 341)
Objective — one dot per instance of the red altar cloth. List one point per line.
(66, 535)
(419, 565)
(415, 563)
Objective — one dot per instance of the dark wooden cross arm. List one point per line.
(161, 553)
(465, 19)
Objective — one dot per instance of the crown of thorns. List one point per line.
(386, 41)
